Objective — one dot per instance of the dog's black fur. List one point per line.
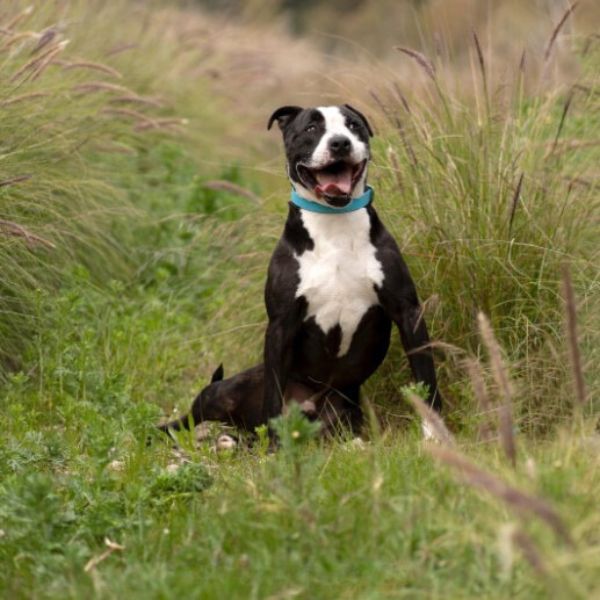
(238, 401)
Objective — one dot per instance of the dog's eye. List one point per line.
(310, 128)
(353, 125)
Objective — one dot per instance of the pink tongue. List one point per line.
(338, 184)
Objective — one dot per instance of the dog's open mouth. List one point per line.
(334, 182)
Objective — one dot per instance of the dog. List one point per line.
(337, 280)
(238, 401)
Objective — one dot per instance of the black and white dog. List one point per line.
(336, 280)
(336, 283)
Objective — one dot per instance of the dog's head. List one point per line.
(327, 150)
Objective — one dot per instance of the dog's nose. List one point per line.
(340, 145)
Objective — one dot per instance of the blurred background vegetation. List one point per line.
(377, 25)
(140, 199)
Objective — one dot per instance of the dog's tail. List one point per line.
(177, 425)
(196, 415)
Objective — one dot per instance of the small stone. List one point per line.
(117, 466)
(172, 468)
(225, 442)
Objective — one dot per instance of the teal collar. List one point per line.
(354, 204)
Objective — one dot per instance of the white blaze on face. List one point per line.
(335, 124)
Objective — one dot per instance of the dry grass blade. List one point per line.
(94, 66)
(572, 337)
(96, 560)
(561, 123)
(421, 59)
(31, 64)
(522, 61)
(232, 188)
(401, 97)
(126, 112)
(166, 124)
(522, 503)
(557, 29)
(16, 38)
(134, 99)
(481, 395)
(514, 203)
(500, 374)
(407, 145)
(45, 38)
(16, 179)
(40, 61)
(16, 230)
(480, 58)
(18, 18)
(532, 555)
(393, 158)
(24, 98)
(569, 145)
(40, 68)
(430, 418)
(381, 105)
(451, 349)
(102, 86)
(507, 435)
(121, 48)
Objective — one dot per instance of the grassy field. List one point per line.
(140, 198)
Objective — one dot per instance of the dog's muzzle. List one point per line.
(334, 182)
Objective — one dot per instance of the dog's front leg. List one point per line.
(278, 354)
(398, 297)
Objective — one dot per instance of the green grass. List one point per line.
(141, 280)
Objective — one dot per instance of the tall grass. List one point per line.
(83, 123)
(490, 196)
(56, 203)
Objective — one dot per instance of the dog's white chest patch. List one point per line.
(338, 276)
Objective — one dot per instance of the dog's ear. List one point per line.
(284, 116)
(218, 374)
(362, 118)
